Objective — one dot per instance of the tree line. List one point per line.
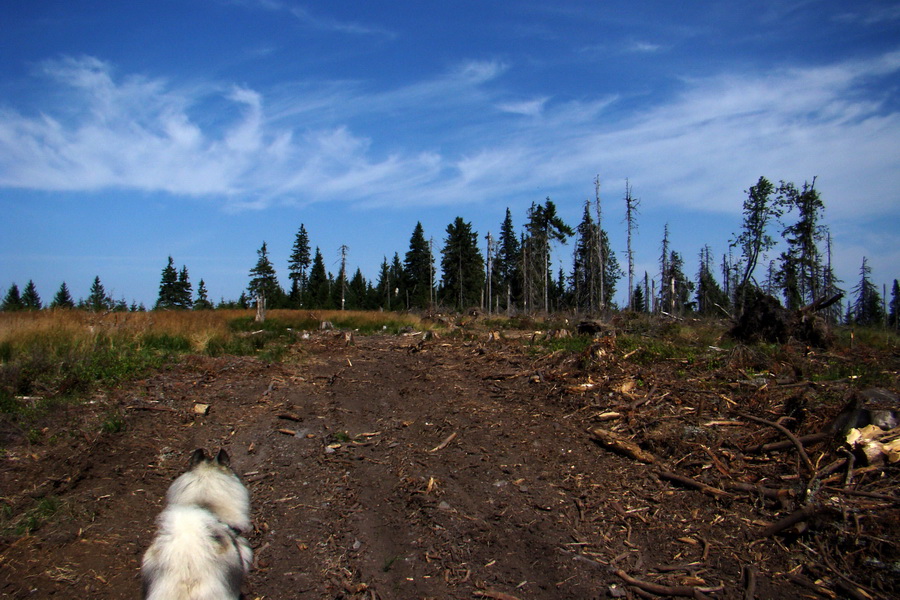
(515, 273)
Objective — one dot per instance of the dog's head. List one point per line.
(200, 459)
(210, 483)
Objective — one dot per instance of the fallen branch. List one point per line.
(806, 583)
(616, 443)
(765, 492)
(444, 444)
(290, 417)
(812, 438)
(799, 445)
(151, 407)
(862, 494)
(495, 595)
(683, 591)
(792, 519)
(693, 483)
(749, 573)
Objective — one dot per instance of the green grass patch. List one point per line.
(573, 344)
(44, 510)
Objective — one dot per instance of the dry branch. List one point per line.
(616, 443)
(812, 438)
(693, 483)
(682, 591)
(444, 444)
(792, 519)
(765, 492)
(799, 445)
(495, 595)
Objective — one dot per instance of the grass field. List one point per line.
(60, 353)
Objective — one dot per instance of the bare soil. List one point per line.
(392, 467)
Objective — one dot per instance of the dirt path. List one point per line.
(388, 468)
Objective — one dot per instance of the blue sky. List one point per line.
(132, 131)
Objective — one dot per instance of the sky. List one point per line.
(199, 129)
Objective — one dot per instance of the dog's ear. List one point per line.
(198, 457)
(223, 459)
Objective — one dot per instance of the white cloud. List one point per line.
(528, 108)
(698, 149)
(643, 47)
(329, 24)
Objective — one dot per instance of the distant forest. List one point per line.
(514, 274)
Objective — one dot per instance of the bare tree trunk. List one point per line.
(260, 308)
(630, 211)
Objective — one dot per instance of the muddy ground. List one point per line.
(397, 467)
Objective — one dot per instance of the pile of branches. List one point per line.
(833, 490)
(763, 319)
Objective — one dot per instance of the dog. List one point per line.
(199, 552)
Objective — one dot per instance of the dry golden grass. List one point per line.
(199, 327)
(21, 327)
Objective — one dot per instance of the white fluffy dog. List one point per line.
(199, 552)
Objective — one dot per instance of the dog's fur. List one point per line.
(199, 552)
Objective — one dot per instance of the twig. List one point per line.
(683, 591)
(862, 494)
(706, 489)
(444, 444)
(151, 407)
(799, 445)
(792, 519)
(812, 438)
(806, 583)
(765, 492)
(852, 588)
(494, 595)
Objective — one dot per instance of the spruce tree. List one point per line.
(506, 265)
(183, 290)
(710, 297)
(382, 297)
(675, 288)
(544, 227)
(298, 264)
(760, 209)
(894, 310)
(30, 298)
(418, 270)
(868, 309)
(202, 302)
(13, 299)
(357, 292)
(585, 270)
(318, 290)
(639, 303)
(802, 238)
(398, 278)
(97, 299)
(592, 282)
(62, 299)
(462, 265)
(168, 287)
(263, 281)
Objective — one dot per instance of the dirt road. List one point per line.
(384, 468)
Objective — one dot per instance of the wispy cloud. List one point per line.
(643, 47)
(528, 108)
(315, 20)
(871, 15)
(343, 143)
(329, 24)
